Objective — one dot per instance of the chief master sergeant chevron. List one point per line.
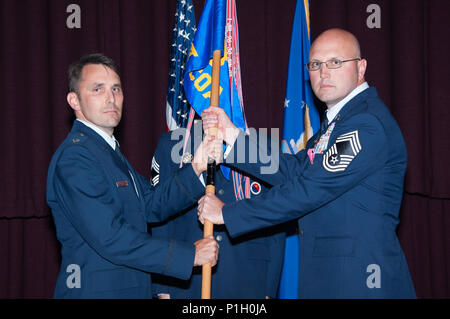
(345, 188)
(101, 205)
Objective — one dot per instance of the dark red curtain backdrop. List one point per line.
(407, 62)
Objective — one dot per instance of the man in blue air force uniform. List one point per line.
(249, 266)
(345, 187)
(101, 205)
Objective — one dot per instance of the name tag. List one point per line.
(120, 184)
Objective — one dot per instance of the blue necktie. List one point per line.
(118, 152)
(324, 123)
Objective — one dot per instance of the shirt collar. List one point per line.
(111, 140)
(331, 113)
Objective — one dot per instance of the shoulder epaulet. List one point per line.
(77, 138)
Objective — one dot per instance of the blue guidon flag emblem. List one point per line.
(344, 150)
(255, 188)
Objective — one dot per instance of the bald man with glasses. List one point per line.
(345, 188)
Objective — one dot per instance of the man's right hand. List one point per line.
(210, 147)
(206, 251)
(215, 117)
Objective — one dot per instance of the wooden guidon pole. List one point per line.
(210, 173)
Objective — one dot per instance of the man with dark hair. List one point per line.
(101, 205)
(76, 68)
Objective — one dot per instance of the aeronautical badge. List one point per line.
(255, 188)
(187, 158)
(155, 172)
(344, 150)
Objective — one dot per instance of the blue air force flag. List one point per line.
(301, 121)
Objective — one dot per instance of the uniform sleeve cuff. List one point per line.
(180, 260)
(189, 182)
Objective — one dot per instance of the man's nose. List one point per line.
(324, 71)
(110, 97)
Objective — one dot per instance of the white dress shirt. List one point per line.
(331, 113)
(111, 140)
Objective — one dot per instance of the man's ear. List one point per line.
(74, 102)
(362, 66)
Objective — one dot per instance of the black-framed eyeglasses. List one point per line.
(331, 64)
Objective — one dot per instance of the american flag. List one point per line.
(177, 107)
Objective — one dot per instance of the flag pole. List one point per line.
(210, 173)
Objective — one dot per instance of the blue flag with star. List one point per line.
(301, 121)
(177, 106)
